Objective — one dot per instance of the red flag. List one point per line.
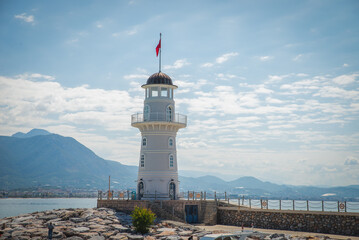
(158, 48)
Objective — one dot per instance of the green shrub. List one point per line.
(142, 218)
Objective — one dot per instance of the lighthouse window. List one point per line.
(146, 113)
(170, 142)
(144, 142)
(147, 92)
(142, 162)
(171, 161)
(169, 114)
(154, 91)
(171, 93)
(164, 92)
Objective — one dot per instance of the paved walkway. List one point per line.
(225, 228)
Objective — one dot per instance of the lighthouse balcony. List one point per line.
(159, 117)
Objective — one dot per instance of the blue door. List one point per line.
(191, 213)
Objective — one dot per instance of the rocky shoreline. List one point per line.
(101, 224)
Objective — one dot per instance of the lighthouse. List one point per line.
(158, 124)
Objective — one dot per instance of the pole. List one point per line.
(280, 204)
(293, 205)
(160, 52)
(307, 205)
(250, 206)
(109, 187)
(322, 206)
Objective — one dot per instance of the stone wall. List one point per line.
(319, 222)
(122, 205)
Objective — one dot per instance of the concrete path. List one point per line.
(231, 229)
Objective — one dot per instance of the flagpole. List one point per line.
(160, 53)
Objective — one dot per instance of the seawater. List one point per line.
(10, 207)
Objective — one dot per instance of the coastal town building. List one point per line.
(158, 124)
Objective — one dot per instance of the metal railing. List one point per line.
(159, 117)
(265, 204)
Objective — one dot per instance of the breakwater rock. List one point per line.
(104, 223)
(93, 224)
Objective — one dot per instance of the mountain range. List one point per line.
(39, 158)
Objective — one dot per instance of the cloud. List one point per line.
(345, 65)
(177, 64)
(207, 65)
(226, 57)
(25, 17)
(345, 79)
(136, 76)
(351, 161)
(265, 58)
(221, 59)
(297, 58)
(36, 76)
(222, 76)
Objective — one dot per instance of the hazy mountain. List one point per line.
(57, 161)
(32, 133)
(39, 158)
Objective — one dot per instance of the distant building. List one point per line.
(159, 123)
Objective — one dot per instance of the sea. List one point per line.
(10, 207)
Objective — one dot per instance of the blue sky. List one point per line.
(270, 88)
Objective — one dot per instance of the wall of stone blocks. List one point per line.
(317, 222)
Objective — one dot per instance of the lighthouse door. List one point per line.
(140, 190)
(172, 191)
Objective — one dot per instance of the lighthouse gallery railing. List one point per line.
(158, 117)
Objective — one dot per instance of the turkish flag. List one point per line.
(158, 48)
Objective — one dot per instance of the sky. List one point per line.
(270, 88)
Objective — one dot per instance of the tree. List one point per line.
(142, 218)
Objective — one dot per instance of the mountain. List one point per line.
(39, 158)
(50, 159)
(32, 133)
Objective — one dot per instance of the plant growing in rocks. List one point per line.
(142, 218)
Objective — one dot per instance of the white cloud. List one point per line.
(345, 65)
(265, 58)
(136, 76)
(298, 57)
(207, 65)
(36, 76)
(225, 57)
(345, 79)
(25, 17)
(177, 64)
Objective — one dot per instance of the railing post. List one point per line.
(307, 205)
(250, 205)
(243, 201)
(239, 201)
(205, 196)
(338, 207)
(280, 204)
(345, 204)
(261, 204)
(322, 206)
(293, 205)
(215, 196)
(128, 195)
(225, 196)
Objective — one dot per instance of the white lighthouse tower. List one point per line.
(159, 123)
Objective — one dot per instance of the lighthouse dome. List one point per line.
(159, 78)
